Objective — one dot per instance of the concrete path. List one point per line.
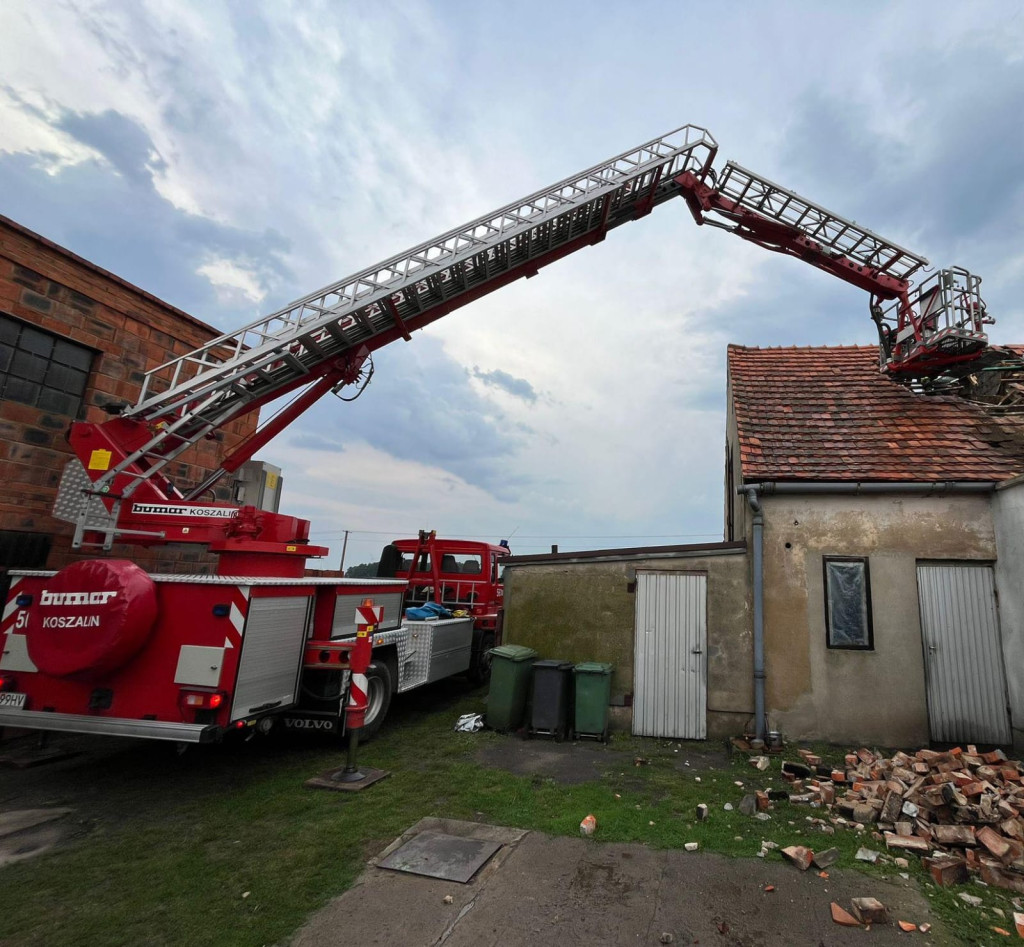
(539, 891)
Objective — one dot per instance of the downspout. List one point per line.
(758, 522)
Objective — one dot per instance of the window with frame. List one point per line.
(848, 603)
(41, 369)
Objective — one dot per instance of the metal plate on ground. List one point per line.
(442, 856)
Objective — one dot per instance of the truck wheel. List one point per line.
(378, 698)
(480, 670)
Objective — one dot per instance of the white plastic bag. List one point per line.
(470, 723)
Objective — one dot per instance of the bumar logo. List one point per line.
(76, 598)
(162, 509)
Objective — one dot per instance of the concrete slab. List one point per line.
(558, 891)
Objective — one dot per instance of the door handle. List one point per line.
(697, 651)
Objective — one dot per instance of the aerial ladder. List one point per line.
(323, 343)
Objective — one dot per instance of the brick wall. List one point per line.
(131, 333)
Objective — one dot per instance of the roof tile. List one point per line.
(828, 414)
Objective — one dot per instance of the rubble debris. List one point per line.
(931, 803)
(843, 917)
(866, 855)
(796, 770)
(748, 804)
(667, 937)
(828, 857)
(947, 870)
(908, 927)
(760, 762)
(972, 900)
(799, 855)
(691, 846)
(588, 825)
(702, 812)
(869, 911)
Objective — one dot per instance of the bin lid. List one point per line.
(553, 663)
(593, 667)
(513, 652)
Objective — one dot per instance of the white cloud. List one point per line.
(233, 280)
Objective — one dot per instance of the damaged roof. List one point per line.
(828, 414)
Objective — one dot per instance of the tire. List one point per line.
(480, 670)
(379, 688)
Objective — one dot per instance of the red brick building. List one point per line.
(74, 338)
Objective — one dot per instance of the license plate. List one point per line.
(12, 700)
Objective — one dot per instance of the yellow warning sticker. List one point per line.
(99, 460)
(271, 481)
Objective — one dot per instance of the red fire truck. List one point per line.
(103, 647)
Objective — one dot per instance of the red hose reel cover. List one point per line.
(91, 618)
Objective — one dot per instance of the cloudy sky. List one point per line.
(232, 156)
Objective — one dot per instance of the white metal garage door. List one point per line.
(670, 656)
(963, 655)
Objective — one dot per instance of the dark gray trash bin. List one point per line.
(552, 699)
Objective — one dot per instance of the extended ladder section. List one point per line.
(842, 237)
(267, 358)
(325, 337)
(924, 331)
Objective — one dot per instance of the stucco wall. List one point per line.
(583, 611)
(1008, 514)
(841, 696)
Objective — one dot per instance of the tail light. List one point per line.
(7, 682)
(202, 700)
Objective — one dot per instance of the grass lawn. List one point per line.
(241, 852)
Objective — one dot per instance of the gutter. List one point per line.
(923, 488)
(754, 492)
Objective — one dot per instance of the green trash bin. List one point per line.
(511, 668)
(593, 696)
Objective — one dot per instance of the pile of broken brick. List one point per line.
(962, 811)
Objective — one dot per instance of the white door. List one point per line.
(963, 656)
(670, 656)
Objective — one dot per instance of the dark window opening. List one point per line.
(40, 369)
(848, 603)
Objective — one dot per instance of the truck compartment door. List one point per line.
(272, 648)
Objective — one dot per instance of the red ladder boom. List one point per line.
(323, 342)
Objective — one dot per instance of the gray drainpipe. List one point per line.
(838, 487)
(755, 506)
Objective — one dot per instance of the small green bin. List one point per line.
(511, 668)
(593, 697)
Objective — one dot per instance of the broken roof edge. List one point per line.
(688, 551)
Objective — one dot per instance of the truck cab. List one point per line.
(460, 575)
